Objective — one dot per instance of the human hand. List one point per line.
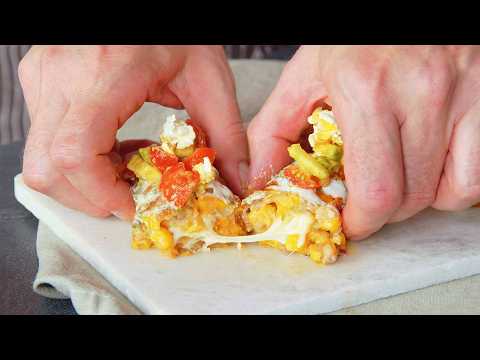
(79, 96)
(410, 121)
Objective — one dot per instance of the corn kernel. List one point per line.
(140, 239)
(162, 238)
(194, 224)
(208, 204)
(285, 203)
(228, 226)
(151, 222)
(328, 219)
(272, 243)
(339, 239)
(329, 254)
(262, 218)
(318, 236)
(316, 253)
(291, 243)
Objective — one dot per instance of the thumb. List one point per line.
(283, 118)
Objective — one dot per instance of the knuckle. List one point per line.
(421, 198)
(66, 156)
(38, 181)
(111, 203)
(433, 81)
(381, 199)
(363, 84)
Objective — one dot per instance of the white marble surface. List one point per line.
(431, 248)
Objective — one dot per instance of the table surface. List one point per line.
(18, 233)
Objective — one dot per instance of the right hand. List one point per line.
(79, 96)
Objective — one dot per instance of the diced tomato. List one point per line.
(178, 184)
(161, 159)
(300, 178)
(197, 157)
(201, 139)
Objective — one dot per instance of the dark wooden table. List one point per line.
(18, 258)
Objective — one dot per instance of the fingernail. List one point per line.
(243, 173)
(258, 179)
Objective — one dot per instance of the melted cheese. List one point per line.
(278, 231)
(306, 194)
(336, 189)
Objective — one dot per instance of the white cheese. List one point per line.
(336, 189)
(177, 132)
(206, 171)
(286, 186)
(220, 191)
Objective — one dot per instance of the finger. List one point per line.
(283, 118)
(215, 109)
(373, 166)
(80, 152)
(424, 145)
(40, 175)
(167, 98)
(460, 182)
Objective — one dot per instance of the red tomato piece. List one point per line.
(178, 184)
(201, 139)
(301, 178)
(161, 159)
(197, 157)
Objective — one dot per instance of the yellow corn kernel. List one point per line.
(318, 236)
(151, 222)
(162, 238)
(143, 170)
(272, 243)
(140, 239)
(228, 226)
(339, 239)
(141, 244)
(315, 253)
(261, 219)
(194, 224)
(209, 204)
(183, 153)
(307, 162)
(329, 254)
(291, 243)
(328, 219)
(285, 203)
